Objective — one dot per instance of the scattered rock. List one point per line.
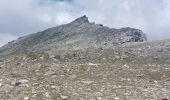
(92, 64)
(92, 99)
(117, 57)
(17, 83)
(87, 82)
(34, 95)
(21, 82)
(47, 95)
(116, 98)
(55, 87)
(155, 81)
(41, 58)
(50, 72)
(99, 98)
(26, 98)
(63, 97)
(35, 84)
(125, 66)
(73, 76)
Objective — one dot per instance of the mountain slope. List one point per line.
(130, 71)
(78, 34)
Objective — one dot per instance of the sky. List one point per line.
(23, 17)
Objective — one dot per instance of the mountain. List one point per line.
(78, 34)
(85, 61)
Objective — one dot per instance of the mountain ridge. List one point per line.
(77, 34)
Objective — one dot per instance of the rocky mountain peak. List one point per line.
(79, 34)
(83, 19)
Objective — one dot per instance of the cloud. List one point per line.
(22, 17)
(151, 16)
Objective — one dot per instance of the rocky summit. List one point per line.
(85, 61)
(78, 34)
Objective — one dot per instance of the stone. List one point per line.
(116, 98)
(21, 82)
(73, 76)
(54, 87)
(92, 99)
(50, 72)
(99, 98)
(41, 58)
(155, 81)
(47, 95)
(91, 64)
(125, 66)
(17, 83)
(63, 97)
(87, 82)
(26, 98)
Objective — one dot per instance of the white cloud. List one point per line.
(21, 17)
(151, 16)
(63, 18)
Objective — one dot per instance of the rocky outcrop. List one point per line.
(78, 34)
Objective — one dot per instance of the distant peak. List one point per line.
(83, 19)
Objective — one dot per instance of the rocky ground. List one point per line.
(127, 72)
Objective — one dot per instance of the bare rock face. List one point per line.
(78, 34)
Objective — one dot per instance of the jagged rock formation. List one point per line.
(78, 34)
